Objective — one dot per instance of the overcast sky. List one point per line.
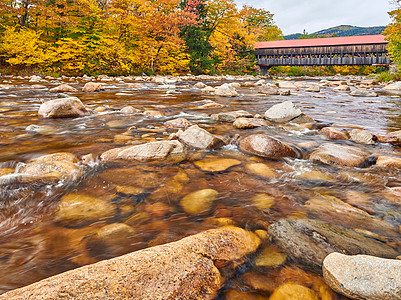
(294, 16)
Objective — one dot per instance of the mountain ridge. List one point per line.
(341, 30)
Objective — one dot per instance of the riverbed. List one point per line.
(146, 197)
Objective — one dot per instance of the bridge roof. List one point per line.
(320, 42)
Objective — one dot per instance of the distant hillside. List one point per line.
(342, 30)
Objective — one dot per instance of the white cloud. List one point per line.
(294, 16)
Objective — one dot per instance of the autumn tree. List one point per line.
(393, 33)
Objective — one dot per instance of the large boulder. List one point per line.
(308, 241)
(63, 88)
(363, 276)
(286, 112)
(339, 155)
(185, 269)
(266, 146)
(52, 168)
(91, 87)
(199, 138)
(63, 108)
(169, 151)
(226, 90)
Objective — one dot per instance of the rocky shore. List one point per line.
(212, 160)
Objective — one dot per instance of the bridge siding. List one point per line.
(370, 54)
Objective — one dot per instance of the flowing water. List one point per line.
(34, 245)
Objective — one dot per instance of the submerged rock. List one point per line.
(338, 155)
(183, 269)
(171, 151)
(199, 138)
(63, 108)
(217, 164)
(78, 210)
(266, 146)
(363, 276)
(293, 291)
(308, 242)
(199, 202)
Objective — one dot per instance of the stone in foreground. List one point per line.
(363, 276)
(179, 270)
(266, 146)
(308, 241)
(63, 108)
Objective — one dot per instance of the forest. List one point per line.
(120, 37)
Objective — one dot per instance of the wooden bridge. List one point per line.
(351, 50)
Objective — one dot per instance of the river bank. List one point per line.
(145, 161)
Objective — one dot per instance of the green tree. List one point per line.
(393, 33)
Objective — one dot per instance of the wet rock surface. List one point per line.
(310, 241)
(363, 276)
(338, 155)
(199, 138)
(152, 273)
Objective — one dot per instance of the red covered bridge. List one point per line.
(350, 50)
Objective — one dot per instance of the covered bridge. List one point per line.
(350, 50)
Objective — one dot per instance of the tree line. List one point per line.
(119, 37)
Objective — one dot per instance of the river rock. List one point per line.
(363, 276)
(308, 241)
(91, 87)
(363, 93)
(269, 90)
(40, 129)
(261, 170)
(293, 291)
(338, 155)
(335, 133)
(287, 85)
(63, 88)
(226, 90)
(392, 138)
(313, 88)
(342, 88)
(233, 115)
(79, 210)
(362, 137)
(63, 108)
(396, 86)
(389, 162)
(263, 201)
(53, 167)
(284, 112)
(266, 146)
(179, 123)
(171, 151)
(200, 85)
(129, 110)
(327, 208)
(199, 138)
(199, 202)
(216, 165)
(249, 123)
(269, 256)
(369, 81)
(183, 269)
